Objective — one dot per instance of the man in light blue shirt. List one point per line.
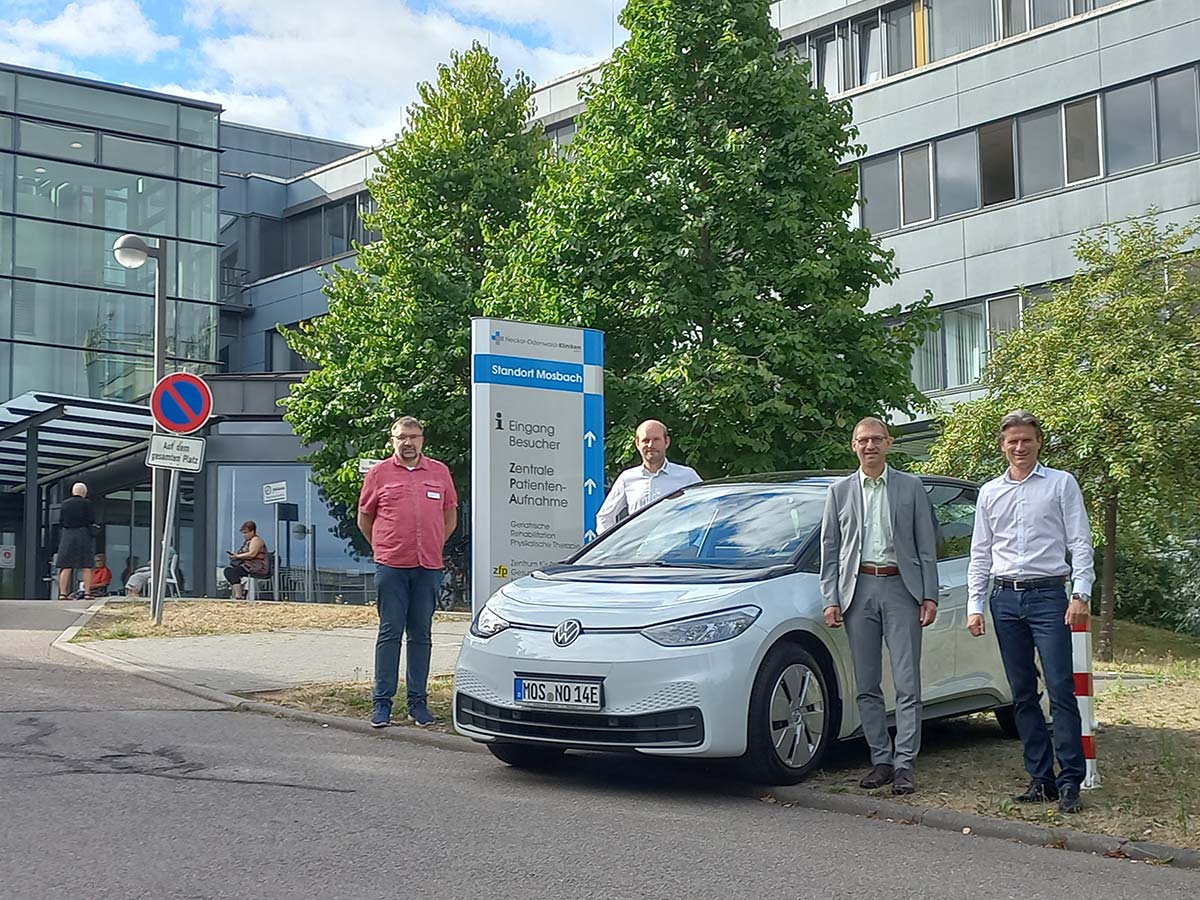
(1027, 521)
(642, 485)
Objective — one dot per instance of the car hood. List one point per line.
(538, 601)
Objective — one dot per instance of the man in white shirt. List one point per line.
(642, 485)
(1027, 521)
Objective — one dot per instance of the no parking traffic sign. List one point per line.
(181, 403)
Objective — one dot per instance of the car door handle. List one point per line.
(943, 591)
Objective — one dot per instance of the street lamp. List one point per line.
(132, 252)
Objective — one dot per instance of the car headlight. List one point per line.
(709, 629)
(487, 624)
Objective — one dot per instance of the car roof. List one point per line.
(823, 477)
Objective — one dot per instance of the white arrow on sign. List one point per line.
(589, 536)
(590, 437)
(590, 485)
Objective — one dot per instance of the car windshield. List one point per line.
(735, 526)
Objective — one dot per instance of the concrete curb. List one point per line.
(969, 824)
(412, 734)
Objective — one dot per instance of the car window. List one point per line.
(738, 526)
(954, 518)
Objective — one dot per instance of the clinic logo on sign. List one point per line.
(500, 571)
(495, 337)
(567, 631)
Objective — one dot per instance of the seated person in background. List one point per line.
(137, 581)
(249, 562)
(101, 577)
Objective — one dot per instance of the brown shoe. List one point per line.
(878, 776)
(905, 782)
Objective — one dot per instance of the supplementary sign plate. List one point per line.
(169, 451)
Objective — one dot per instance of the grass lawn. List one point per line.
(188, 618)
(353, 699)
(191, 618)
(1148, 752)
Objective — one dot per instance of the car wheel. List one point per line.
(790, 727)
(526, 756)
(1006, 718)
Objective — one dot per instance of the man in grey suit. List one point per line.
(879, 577)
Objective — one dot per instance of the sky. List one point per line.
(343, 70)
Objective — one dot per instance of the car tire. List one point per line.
(791, 723)
(1006, 718)
(526, 756)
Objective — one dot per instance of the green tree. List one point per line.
(703, 225)
(396, 338)
(1108, 363)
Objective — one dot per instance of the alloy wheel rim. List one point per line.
(797, 715)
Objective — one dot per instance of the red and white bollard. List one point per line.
(1081, 654)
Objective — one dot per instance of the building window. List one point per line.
(928, 364)
(1129, 127)
(881, 194)
(141, 156)
(55, 140)
(1014, 17)
(901, 38)
(956, 26)
(827, 63)
(957, 163)
(1004, 317)
(1177, 131)
(966, 343)
(870, 51)
(914, 171)
(997, 179)
(1039, 151)
(1083, 140)
(1047, 11)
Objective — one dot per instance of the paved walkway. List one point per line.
(277, 659)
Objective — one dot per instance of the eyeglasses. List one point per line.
(871, 439)
(407, 437)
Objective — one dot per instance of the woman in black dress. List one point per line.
(76, 547)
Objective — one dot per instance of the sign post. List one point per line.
(181, 403)
(275, 494)
(537, 447)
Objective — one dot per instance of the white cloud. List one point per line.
(351, 76)
(85, 29)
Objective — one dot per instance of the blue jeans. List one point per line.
(1026, 620)
(406, 600)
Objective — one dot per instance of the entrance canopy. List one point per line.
(45, 438)
(69, 435)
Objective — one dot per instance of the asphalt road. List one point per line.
(113, 787)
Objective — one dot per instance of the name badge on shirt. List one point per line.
(434, 495)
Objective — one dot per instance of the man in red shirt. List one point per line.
(406, 511)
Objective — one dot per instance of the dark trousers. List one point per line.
(406, 600)
(235, 573)
(1026, 620)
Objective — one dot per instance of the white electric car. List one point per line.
(695, 628)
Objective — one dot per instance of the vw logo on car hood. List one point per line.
(567, 631)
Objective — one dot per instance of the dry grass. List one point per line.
(353, 700)
(1148, 753)
(189, 618)
(119, 620)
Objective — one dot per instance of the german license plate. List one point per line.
(550, 692)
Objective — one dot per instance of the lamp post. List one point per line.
(132, 252)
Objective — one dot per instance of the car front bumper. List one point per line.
(671, 701)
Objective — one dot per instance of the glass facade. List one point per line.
(314, 558)
(79, 166)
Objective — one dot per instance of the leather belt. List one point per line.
(1031, 584)
(868, 569)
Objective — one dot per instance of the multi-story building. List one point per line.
(996, 132)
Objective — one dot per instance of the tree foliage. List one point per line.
(1108, 363)
(396, 338)
(703, 225)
